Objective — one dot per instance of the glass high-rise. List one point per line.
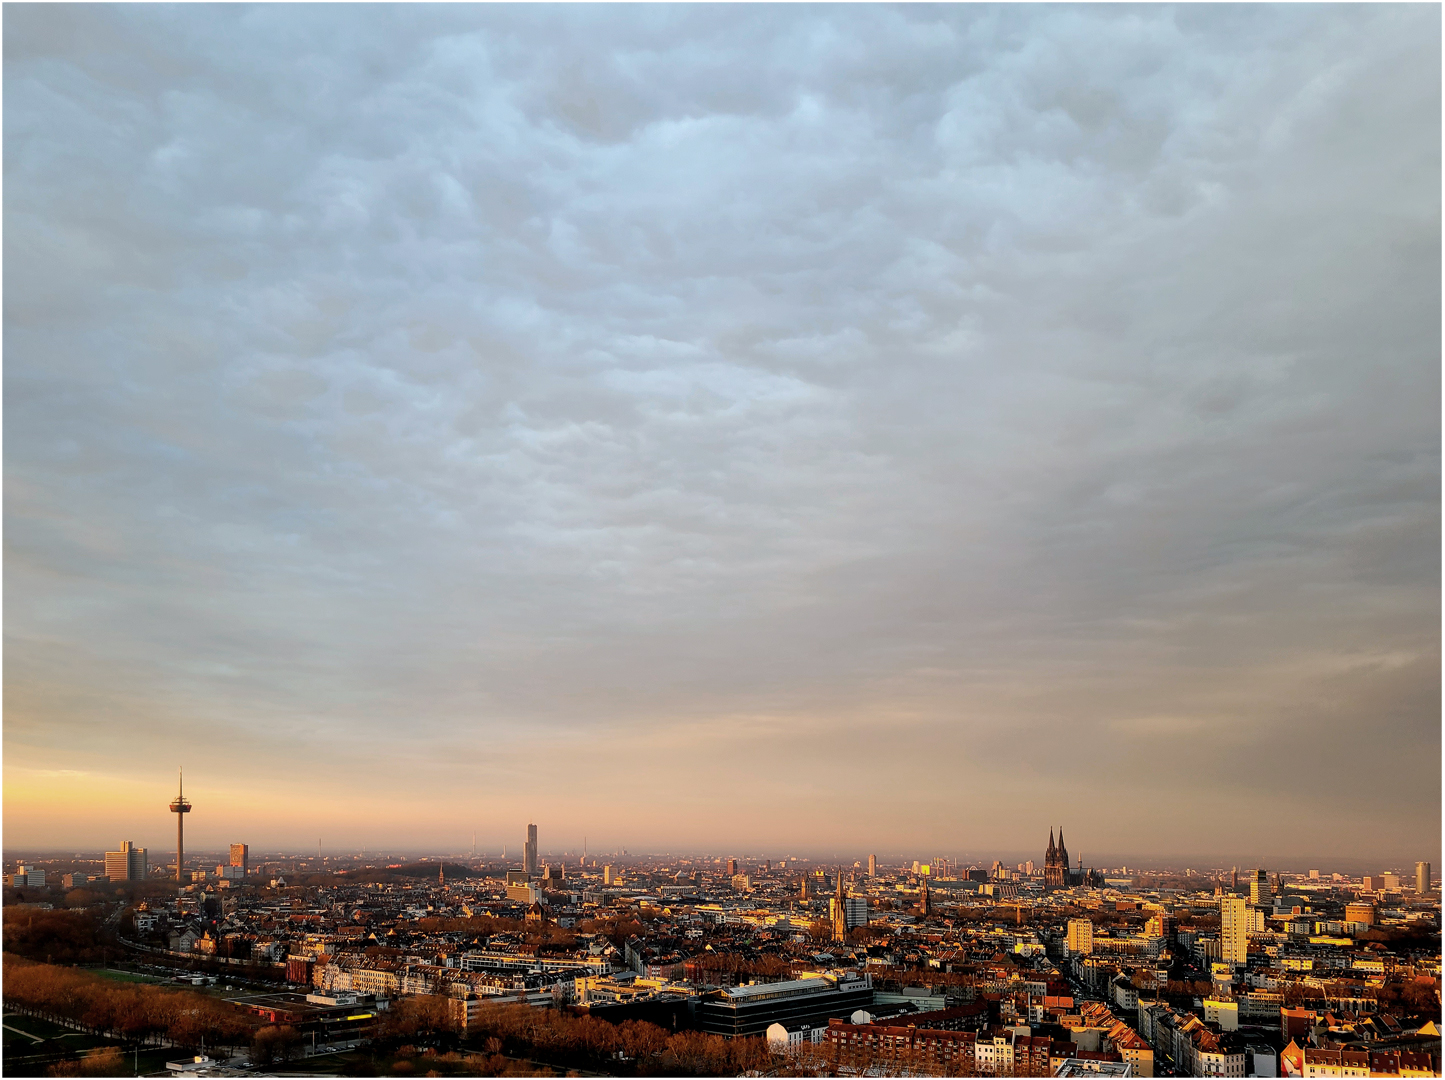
(529, 851)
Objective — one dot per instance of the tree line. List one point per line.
(59, 937)
(633, 1047)
(133, 1013)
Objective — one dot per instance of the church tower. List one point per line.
(1056, 863)
(840, 912)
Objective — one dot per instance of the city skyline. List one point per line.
(694, 429)
(1261, 860)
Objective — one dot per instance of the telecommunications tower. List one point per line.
(181, 806)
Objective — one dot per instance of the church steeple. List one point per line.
(1049, 858)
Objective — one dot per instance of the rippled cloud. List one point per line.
(563, 412)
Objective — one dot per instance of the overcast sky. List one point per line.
(773, 429)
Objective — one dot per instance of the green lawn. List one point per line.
(124, 976)
(162, 980)
(17, 1047)
(71, 1040)
(33, 1025)
(324, 1065)
(152, 1061)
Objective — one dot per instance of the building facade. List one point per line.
(1234, 920)
(529, 851)
(127, 864)
(1259, 888)
(750, 1010)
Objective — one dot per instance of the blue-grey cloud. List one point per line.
(970, 401)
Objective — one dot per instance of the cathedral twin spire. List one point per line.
(1057, 854)
(1056, 862)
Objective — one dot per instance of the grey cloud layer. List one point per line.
(968, 383)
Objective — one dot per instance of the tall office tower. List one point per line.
(732, 867)
(872, 865)
(1234, 930)
(1422, 878)
(583, 861)
(1234, 878)
(1259, 890)
(607, 874)
(529, 851)
(1081, 937)
(241, 856)
(127, 864)
(181, 806)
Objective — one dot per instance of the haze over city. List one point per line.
(695, 430)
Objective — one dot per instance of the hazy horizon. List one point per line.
(1277, 862)
(896, 428)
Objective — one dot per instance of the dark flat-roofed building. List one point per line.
(749, 1010)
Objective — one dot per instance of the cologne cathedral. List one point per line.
(1057, 872)
(1056, 863)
